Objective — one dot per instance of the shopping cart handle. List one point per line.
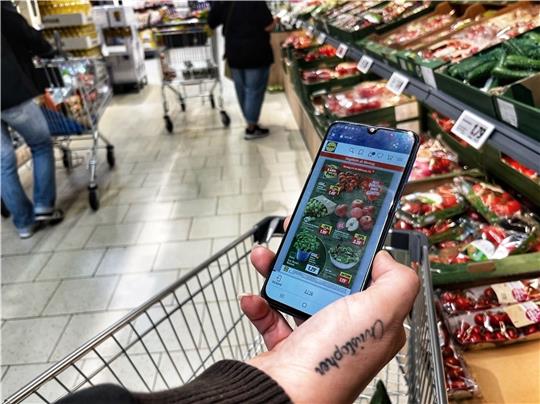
(267, 228)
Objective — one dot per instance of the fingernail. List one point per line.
(243, 294)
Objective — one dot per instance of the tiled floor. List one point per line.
(171, 201)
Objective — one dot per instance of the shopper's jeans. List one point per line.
(250, 87)
(28, 120)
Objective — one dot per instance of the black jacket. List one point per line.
(247, 44)
(20, 42)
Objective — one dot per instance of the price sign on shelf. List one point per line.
(342, 50)
(310, 31)
(397, 83)
(508, 112)
(321, 38)
(364, 64)
(473, 129)
(428, 76)
(298, 24)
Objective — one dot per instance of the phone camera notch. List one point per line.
(372, 130)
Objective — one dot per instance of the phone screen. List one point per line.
(341, 216)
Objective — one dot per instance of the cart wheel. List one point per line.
(225, 120)
(183, 106)
(110, 155)
(5, 211)
(67, 159)
(93, 197)
(212, 101)
(168, 124)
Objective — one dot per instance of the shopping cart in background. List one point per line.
(197, 321)
(77, 93)
(189, 67)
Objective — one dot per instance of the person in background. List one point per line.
(329, 358)
(20, 42)
(246, 28)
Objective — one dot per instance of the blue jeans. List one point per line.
(28, 120)
(250, 87)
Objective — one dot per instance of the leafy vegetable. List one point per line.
(344, 254)
(306, 241)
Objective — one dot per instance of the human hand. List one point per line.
(333, 355)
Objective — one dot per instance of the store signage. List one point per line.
(473, 129)
(508, 112)
(321, 38)
(342, 50)
(397, 83)
(364, 64)
(428, 76)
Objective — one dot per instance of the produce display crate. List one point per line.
(513, 178)
(524, 97)
(336, 84)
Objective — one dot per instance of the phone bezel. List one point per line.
(382, 237)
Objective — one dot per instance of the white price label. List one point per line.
(473, 129)
(397, 83)
(428, 76)
(508, 112)
(321, 38)
(310, 31)
(298, 24)
(342, 50)
(364, 64)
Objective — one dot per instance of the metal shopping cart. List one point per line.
(196, 321)
(189, 67)
(76, 95)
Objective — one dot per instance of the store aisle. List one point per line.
(170, 202)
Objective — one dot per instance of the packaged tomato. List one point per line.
(425, 208)
(502, 326)
(459, 382)
(491, 201)
(433, 159)
(456, 302)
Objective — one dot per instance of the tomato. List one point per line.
(449, 201)
(513, 206)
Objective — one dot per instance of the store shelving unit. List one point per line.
(504, 138)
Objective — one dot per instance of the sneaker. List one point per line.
(251, 134)
(27, 232)
(262, 130)
(52, 218)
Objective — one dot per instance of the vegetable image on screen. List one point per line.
(305, 244)
(344, 257)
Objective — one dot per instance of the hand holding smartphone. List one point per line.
(342, 217)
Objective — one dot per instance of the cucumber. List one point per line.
(533, 36)
(481, 72)
(460, 70)
(522, 61)
(504, 73)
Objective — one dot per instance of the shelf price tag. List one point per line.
(428, 76)
(321, 38)
(397, 83)
(342, 50)
(298, 24)
(364, 64)
(473, 129)
(310, 31)
(508, 112)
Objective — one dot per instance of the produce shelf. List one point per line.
(504, 137)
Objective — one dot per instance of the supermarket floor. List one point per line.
(169, 203)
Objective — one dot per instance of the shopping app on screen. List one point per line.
(328, 248)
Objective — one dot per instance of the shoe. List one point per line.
(27, 232)
(52, 218)
(262, 130)
(255, 133)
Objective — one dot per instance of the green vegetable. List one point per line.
(315, 208)
(344, 254)
(522, 61)
(306, 241)
(481, 72)
(504, 73)
(533, 36)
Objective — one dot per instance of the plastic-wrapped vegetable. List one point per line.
(459, 382)
(433, 159)
(456, 302)
(489, 328)
(424, 208)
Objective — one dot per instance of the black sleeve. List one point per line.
(225, 382)
(265, 13)
(215, 15)
(18, 31)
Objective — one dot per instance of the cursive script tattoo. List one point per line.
(356, 343)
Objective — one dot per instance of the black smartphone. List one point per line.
(342, 217)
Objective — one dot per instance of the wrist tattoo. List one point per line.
(356, 343)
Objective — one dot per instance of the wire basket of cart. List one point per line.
(76, 95)
(189, 67)
(196, 321)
